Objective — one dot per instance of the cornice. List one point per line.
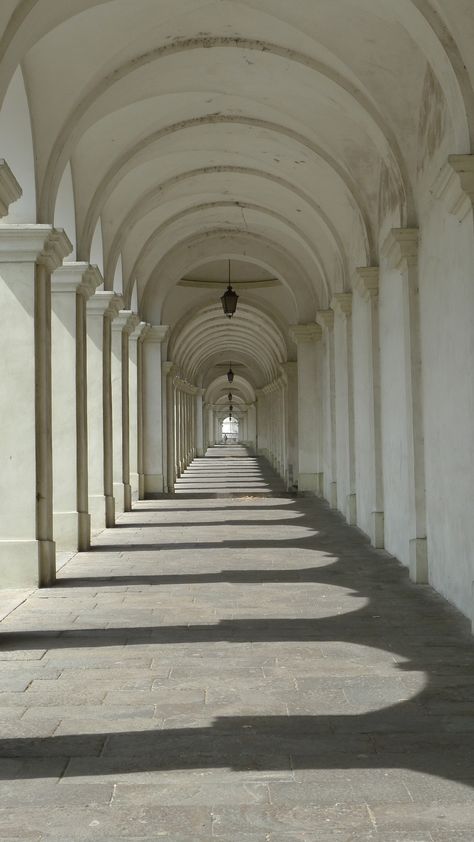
(41, 244)
(401, 247)
(366, 281)
(10, 190)
(306, 333)
(156, 333)
(125, 321)
(138, 333)
(69, 277)
(342, 303)
(115, 306)
(100, 302)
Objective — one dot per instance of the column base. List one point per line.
(333, 495)
(418, 561)
(308, 484)
(72, 531)
(351, 509)
(154, 485)
(119, 497)
(97, 512)
(27, 564)
(377, 532)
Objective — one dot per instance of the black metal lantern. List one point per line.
(231, 408)
(230, 374)
(229, 300)
(229, 396)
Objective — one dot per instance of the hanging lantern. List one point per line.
(231, 408)
(229, 396)
(229, 300)
(230, 374)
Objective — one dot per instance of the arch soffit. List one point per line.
(133, 156)
(169, 268)
(78, 121)
(268, 214)
(155, 197)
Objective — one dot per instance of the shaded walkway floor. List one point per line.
(244, 670)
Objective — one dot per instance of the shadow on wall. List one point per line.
(428, 731)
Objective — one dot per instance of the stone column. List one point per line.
(367, 284)
(345, 438)
(140, 414)
(401, 252)
(152, 414)
(306, 337)
(72, 284)
(326, 319)
(101, 505)
(129, 411)
(291, 421)
(199, 423)
(120, 328)
(168, 375)
(134, 408)
(28, 256)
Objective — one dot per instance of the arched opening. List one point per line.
(230, 430)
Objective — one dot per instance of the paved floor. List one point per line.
(238, 669)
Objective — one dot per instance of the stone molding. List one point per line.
(156, 333)
(342, 303)
(41, 244)
(76, 277)
(454, 185)
(139, 330)
(125, 321)
(168, 368)
(184, 386)
(400, 247)
(100, 302)
(325, 318)
(366, 281)
(311, 332)
(116, 305)
(10, 190)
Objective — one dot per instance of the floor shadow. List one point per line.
(430, 730)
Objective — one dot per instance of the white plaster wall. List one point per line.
(447, 334)
(65, 210)
(394, 426)
(363, 411)
(326, 415)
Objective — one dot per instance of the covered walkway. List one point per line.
(245, 669)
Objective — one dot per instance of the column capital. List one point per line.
(139, 330)
(10, 190)
(325, 318)
(115, 306)
(400, 247)
(168, 368)
(99, 303)
(342, 303)
(366, 281)
(454, 185)
(125, 321)
(34, 244)
(156, 333)
(306, 333)
(75, 277)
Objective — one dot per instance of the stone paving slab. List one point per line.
(243, 669)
